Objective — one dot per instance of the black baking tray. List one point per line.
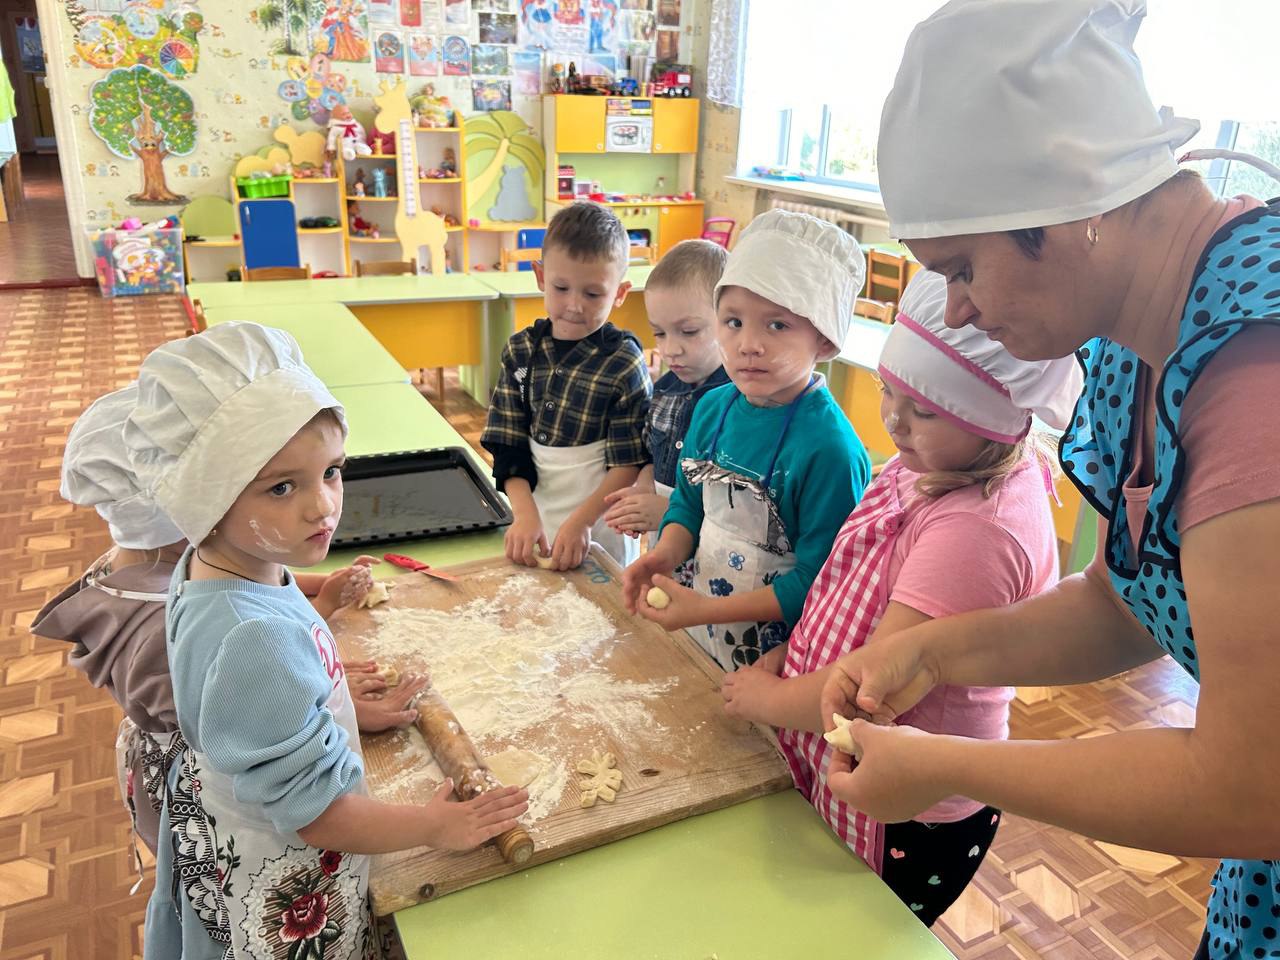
(415, 495)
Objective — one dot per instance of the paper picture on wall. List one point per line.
(314, 88)
(163, 36)
(526, 67)
(493, 6)
(410, 13)
(534, 31)
(457, 13)
(642, 27)
(424, 55)
(342, 31)
(430, 15)
(489, 60)
(491, 94)
(498, 27)
(668, 45)
(138, 113)
(388, 54)
(637, 4)
(668, 13)
(455, 54)
(382, 12)
(602, 30)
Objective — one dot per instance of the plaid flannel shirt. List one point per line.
(670, 412)
(599, 390)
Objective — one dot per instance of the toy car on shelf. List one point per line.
(626, 87)
(672, 83)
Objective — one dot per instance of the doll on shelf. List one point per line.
(346, 134)
(449, 165)
(358, 188)
(433, 111)
(379, 182)
(360, 227)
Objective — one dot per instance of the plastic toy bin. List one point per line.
(258, 187)
(132, 263)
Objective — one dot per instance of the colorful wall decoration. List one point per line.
(218, 78)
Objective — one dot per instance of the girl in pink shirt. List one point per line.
(959, 520)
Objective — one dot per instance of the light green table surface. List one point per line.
(337, 347)
(763, 880)
(348, 290)
(863, 346)
(521, 284)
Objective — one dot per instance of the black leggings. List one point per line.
(928, 865)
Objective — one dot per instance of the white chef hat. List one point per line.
(968, 378)
(212, 410)
(1008, 114)
(96, 473)
(810, 266)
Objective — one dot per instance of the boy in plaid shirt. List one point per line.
(566, 420)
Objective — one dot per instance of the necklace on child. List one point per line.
(223, 569)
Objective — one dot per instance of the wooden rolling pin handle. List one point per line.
(459, 759)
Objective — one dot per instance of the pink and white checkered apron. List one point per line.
(846, 601)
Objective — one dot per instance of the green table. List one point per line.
(763, 880)
(519, 284)
(348, 290)
(337, 346)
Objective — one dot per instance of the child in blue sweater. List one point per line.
(270, 822)
(770, 467)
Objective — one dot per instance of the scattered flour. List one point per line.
(509, 667)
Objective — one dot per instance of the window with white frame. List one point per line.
(816, 74)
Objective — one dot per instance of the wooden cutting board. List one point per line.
(679, 753)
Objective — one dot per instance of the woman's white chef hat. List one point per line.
(1008, 114)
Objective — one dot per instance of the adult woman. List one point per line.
(1046, 192)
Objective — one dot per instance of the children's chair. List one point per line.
(715, 230)
(875, 310)
(386, 268)
(509, 258)
(886, 276)
(277, 273)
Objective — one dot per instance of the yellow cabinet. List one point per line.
(676, 223)
(579, 124)
(675, 125)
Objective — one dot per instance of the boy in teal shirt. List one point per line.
(770, 467)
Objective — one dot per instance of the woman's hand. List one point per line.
(880, 680)
(895, 776)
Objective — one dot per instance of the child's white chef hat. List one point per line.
(810, 266)
(968, 378)
(1008, 114)
(96, 472)
(212, 410)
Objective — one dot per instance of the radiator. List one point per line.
(841, 218)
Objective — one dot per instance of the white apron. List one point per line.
(262, 894)
(742, 546)
(566, 476)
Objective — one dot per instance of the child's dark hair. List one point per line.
(588, 231)
(695, 264)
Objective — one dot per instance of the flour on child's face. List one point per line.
(769, 352)
(684, 328)
(579, 294)
(288, 513)
(926, 442)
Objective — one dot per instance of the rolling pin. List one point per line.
(459, 759)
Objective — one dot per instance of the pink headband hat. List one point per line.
(968, 378)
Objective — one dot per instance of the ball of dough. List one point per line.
(391, 676)
(657, 598)
(840, 738)
(546, 563)
(378, 593)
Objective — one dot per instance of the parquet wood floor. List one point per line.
(36, 242)
(65, 867)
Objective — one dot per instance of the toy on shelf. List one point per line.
(449, 219)
(360, 227)
(358, 187)
(263, 184)
(431, 111)
(346, 134)
(450, 162)
(380, 182)
(318, 223)
(136, 259)
(557, 78)
(327, 169)
(382, 144)
(676, 81)
(626, 87)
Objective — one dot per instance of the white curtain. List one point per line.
(725, 57)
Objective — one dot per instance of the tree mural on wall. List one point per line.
(137, 112)
(294, 17)
(492, 138)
